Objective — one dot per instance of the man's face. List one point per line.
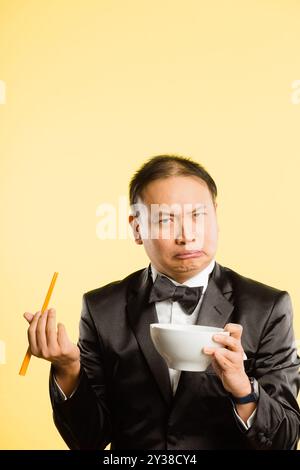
(179, 227)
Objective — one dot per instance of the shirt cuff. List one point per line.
(249, 420)
(61, 392)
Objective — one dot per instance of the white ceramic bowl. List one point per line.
(181, 345)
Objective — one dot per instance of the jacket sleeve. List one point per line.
(277, 418)
(83, 420)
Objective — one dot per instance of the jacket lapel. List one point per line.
(141, 314)
(216, 308)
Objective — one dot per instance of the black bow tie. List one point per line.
(164, 289)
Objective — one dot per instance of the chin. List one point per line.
(191, 265)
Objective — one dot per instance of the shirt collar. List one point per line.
(200, 279)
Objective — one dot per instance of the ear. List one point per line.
(216, 205)
(132, 219)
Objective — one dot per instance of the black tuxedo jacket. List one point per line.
(124, 395)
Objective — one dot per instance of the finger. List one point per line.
(28, 316)
(51, 336)
(229, 341)
(226, 358)
(209, 351)
(222, 359)
(41, 335)
(231, 355)
(62, 337)
(234, 329)
(31, 332)
(218, 370)
(214, 363)
(226, 352)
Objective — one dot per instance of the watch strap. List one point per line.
(252, 397)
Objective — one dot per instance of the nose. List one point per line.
(184, 234)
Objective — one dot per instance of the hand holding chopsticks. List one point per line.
(51, 343)
(27, 357)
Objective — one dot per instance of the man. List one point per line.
(115, 387)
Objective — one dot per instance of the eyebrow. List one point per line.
(202, 206)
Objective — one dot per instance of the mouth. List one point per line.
(189, 254)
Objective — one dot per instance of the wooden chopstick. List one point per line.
(27, 357)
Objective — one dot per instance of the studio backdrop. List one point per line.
(88, 91)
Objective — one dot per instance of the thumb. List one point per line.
(29, 316)
(62, 335)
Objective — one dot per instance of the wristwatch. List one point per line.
(252, 397)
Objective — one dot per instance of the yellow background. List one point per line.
(94, 88)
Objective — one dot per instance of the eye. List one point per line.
(196, 214)
(165, 220)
